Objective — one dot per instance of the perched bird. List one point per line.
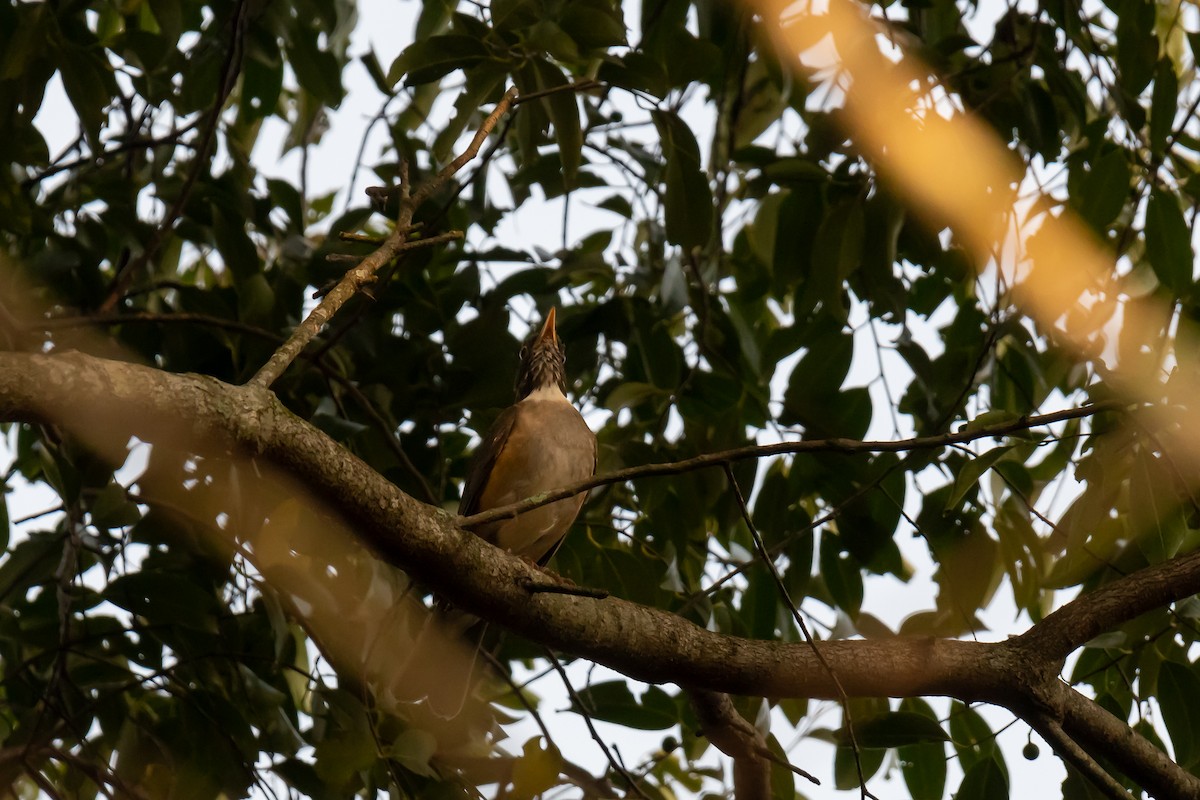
(538, 444)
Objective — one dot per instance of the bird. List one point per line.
(539, 443)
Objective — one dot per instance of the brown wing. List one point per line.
(484, 459)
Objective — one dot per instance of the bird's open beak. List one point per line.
(548, 335)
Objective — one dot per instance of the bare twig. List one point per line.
(183, 317)
(578, 86)
(617, 766)
(174, 140)
(734, 736)
(834, 445)
(396, 243)
(429, 187)
(559, 588)
(767, 560)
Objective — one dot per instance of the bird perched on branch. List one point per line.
(538, 444)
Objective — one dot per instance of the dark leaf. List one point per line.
(612, 701)
(688, 201)
(1168, 241)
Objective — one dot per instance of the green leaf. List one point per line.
(985, 780)
(563, 108)
(481, 82)
(1137, 46)
(164, 598)
(536, 770)
(814, 397)
(236, 248)
(593, 24)
(923, 765)
(432, 20)
(845, 768)
(898, 728)
(973, 739)
(1168, 241)
(1164, 102)
(112, 508)
(414, 748)
(841, 574)
(763, 100)
(611, 701)
(688, 203)
(5, 520)
(426, 60)
(28, 564)
(838, 248)
(262, 81)
(632, 393)
(371, 64)
(636, 72)
(1179, 699)
(317, 70)
(972, 471)
(81, 76)
(348, 745)
(1105, 189)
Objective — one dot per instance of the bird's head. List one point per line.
(543, 361)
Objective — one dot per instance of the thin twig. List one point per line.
(843, 698)
(396, 243)
(616, 765)
(833, 445)
(318, 358)
(559, 588)
(133, 144)
(601, 787)
(578, 86)
(114, 318)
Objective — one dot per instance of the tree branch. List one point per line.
(1070, 751)
(96, 399)
(1091, 614)
(1099, 732)
(834, 445)
(396, 243)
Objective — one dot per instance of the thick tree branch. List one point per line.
(1090, 615)
(835, 445)
(95, 398)
(735, 737)
(1077, 757)
(1099, 732)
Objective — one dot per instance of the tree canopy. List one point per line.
(853, 296)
